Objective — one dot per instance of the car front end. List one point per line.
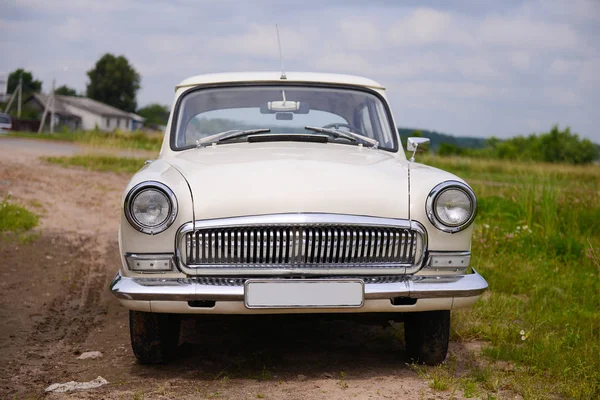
(292, 217)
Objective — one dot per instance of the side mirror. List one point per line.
(417, 143)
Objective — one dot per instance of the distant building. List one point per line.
(137, 122)
(3, 87)
(82, 113)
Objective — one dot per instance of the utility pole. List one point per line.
(52, 109)
(20, 96)
(49, 106)
(16, 94)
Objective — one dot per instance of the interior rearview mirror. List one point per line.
(296, 107)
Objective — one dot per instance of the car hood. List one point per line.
(268, 178)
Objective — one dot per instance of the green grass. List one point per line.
(116, 139)
(15, 219)
(96, 162)
(537, 242)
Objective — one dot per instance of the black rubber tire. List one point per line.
(426, 335)
(154, 336)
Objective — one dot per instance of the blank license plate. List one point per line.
(305, 293)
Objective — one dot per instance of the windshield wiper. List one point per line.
(227, 135)
(338, 133)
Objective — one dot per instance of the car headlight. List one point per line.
(451, 206)
(150, 207)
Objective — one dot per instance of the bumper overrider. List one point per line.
(228, 295)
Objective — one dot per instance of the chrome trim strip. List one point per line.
(134, 260)
(448, 259)
(302, 219)
(150, 230)
(186, 289)
(432, 197)
(446, 263)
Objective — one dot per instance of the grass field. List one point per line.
(537, 242)
(98, 162)
(116, 139)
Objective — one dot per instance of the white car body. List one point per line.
(299, 183)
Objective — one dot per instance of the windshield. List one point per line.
(4, 120)
(282, 110)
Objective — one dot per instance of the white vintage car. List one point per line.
(277, 194)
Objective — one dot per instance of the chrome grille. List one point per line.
(322, 245)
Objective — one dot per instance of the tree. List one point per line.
(30, 85)
(555, 146)
(449, 149)
(64, 90)
(115, 82)
(155, 114)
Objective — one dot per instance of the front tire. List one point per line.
(154, 337)
(426, 335)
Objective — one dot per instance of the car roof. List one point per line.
(230, 77)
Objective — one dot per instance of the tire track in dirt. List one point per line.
(50, 309)
(65, 273)
(74, 312)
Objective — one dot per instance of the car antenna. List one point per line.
(283, 76)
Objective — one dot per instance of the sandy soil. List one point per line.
(55, 304)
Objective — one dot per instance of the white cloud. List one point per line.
(71, 29)
(561, 66)
(590, 72)
(447, 90)
(261, 41)
(59, 6)
(428, 26)
(520, 60)
(360, 34)
(523, 33)
(584, 72)
(476, 67)
(578, 10)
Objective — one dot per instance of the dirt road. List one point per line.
(55, 304)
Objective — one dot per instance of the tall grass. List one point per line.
(537, 242)
(14, 218)
(99, 162)
(117, 139)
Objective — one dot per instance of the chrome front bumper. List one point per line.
(413, 287)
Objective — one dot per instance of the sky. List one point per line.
(465, 67)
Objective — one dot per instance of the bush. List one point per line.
(555, 146)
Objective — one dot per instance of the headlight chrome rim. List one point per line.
(430, 206)
(137, 189)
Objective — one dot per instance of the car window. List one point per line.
(215, 121)
(282, 109)
(4, 119)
